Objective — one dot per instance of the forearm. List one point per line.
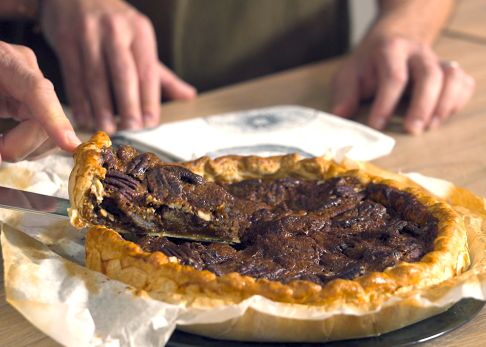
(18, 8)
(418, 20)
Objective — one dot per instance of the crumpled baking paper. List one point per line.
(46, 281)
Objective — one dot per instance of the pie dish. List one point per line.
(315, 234)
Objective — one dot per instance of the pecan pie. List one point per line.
(309, 232)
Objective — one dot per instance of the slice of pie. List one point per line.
(307, 232)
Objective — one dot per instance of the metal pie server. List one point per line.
(21, 200)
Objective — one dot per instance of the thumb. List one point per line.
(345, 91)
(173, 87)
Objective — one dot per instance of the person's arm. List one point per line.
(109, 60)
(397, 51)
(417, 20)
(28, 97)
(18, 8)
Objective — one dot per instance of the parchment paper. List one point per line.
(45, 279)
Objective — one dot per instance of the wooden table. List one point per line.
(467, 22)
(456, 152)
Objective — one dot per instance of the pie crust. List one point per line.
(165, 279)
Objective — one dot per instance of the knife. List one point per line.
(24, 201)
(21, 200)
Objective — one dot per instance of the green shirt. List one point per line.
(211, 43)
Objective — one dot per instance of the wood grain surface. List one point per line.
(468, 20)
(455, 152)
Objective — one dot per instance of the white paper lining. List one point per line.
(79, 307)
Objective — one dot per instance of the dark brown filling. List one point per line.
(290, 228)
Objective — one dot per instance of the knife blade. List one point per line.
(21, 200)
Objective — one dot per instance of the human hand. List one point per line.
(107, 48)
(381, 68)
(28, 97)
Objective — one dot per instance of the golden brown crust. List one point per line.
(165, 279)
(85, 177)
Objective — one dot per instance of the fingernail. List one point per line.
(338, 110)
(190, 87)
(151, 120)
(135, 125)
(416, 126)
(108, 127)
(344, 109)
(132, 124)
(378, 123)
(72, 138)
(434, 124)
(190, 92)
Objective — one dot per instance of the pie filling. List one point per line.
(290, 228)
